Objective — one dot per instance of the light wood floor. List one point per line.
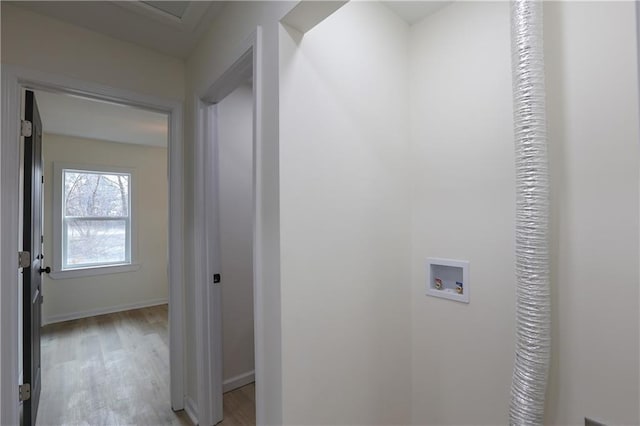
(114, 370)
(240, 407)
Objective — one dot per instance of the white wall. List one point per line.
(344, 218)
(235, 159)
(462, 156)
(463, 207)
(53, 46)
(592, 90)
(86, 296)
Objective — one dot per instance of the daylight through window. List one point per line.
(96, 219)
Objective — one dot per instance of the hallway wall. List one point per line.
(56, 47)
(463, 207)
(345, 218)
(461, 203)
(463, 174)
(593, 122)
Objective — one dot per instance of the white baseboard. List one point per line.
(239, 381)
(236, 382)
(191, 409)
(101, 311)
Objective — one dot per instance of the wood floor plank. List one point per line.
(114, 370)
(108, 370)
(240, 407)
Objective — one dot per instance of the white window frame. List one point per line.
(59, 224)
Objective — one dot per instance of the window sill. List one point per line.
(96, 270)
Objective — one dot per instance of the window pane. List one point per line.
(94, 194)
(91, 242)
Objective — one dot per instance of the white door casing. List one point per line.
(206, 245)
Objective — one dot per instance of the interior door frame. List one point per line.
(247, 63)
(14, 80)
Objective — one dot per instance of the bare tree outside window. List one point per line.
(96, 218)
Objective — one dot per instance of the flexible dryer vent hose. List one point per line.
(533, 299)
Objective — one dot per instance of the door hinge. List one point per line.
(24, 392)
(26, 129)
(24, 259)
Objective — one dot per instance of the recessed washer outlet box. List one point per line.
(448, 279)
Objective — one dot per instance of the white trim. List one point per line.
(239, 381)
(258, 244)
(191, 409)
(93, 271)
(102, 311)
(176, 259)
(9, 148)
(13, 79)
(214, 296)
(208, 310)
(201, 282)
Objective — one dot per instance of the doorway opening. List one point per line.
(14, 83)
(104, 337)
(228, 289)
(234, 124)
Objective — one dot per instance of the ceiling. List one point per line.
(170, 27)
(415, 11)
(76, 116)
